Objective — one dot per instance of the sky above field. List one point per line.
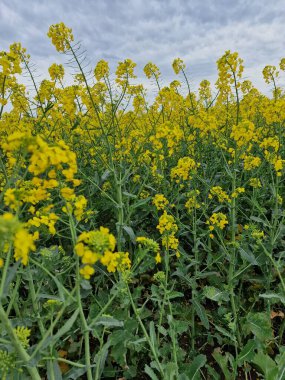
(153, 30)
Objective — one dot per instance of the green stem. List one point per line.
(120, 212)
(274, 265)
(24, 356)
(194, 286)
(39, 320)
(14, 296)
(233, 264)
(5, 270)
(74, 364)
(79, 303)
(173, 339)
(151, 346)
(84, 324)
(51, 327)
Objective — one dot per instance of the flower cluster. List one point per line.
(160, 201)
(168, 228)
(217, 191)
(192, 202)
(217, 221)
(185, 168)
(151, 245)
(99, 245)
(61, 36)
(12, 231)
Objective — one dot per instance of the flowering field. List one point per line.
(140, 240)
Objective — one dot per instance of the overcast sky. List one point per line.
(198, 31)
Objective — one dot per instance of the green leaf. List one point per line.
(193, 372)
(225, 332)
(201, 312)
(63, 330)
(183, 376)
(141, 202)
(247, 353)
(173, 294)
(109, 321)
(273, 296)
(105, 175)
(129, 195)
(260, 325)
(67, 326)
(152, 334)
(85, 284)
(149, 371)
(179, 325)
(170, 371)
(118, 340)
(162, 330)
(267, 365)
(11, 273)
(223, 363)
(130, 232)
(56, 371)
(75, 373)
(215, 294)
(280, 360)
(259, 220)
(248, 256)
(212, 373)
(101, 357)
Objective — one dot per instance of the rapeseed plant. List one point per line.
(138, 238)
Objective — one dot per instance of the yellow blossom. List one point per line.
(160, 201)
(61, 36)
(24, 243)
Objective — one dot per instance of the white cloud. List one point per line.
(153, 30)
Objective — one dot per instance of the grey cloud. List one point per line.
(153, 30)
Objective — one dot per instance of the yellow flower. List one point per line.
(47, 220)
(148, 243)
(270, 73)
(101, 70)
(178, 65)
(167, 224)
(238, 190)
(98, 245)
(11, 199)
(61, 36)
(160, 201)
(116, 261)
(87, 271)
(80, 204)
(67, 193)
(24, 243)
(185, 167)
(9, 224)
(219, 193)
(250, 162)
(255, 182)
(125, 71)
(218, 220)
(258, 235)
(243, 133)
(151, 70)
(170, 241)
(56, 71)
(158, 258)
(23, 334)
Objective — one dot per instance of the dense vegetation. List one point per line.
(140, 240)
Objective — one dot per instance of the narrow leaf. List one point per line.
(201, 312)
(193, 372)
